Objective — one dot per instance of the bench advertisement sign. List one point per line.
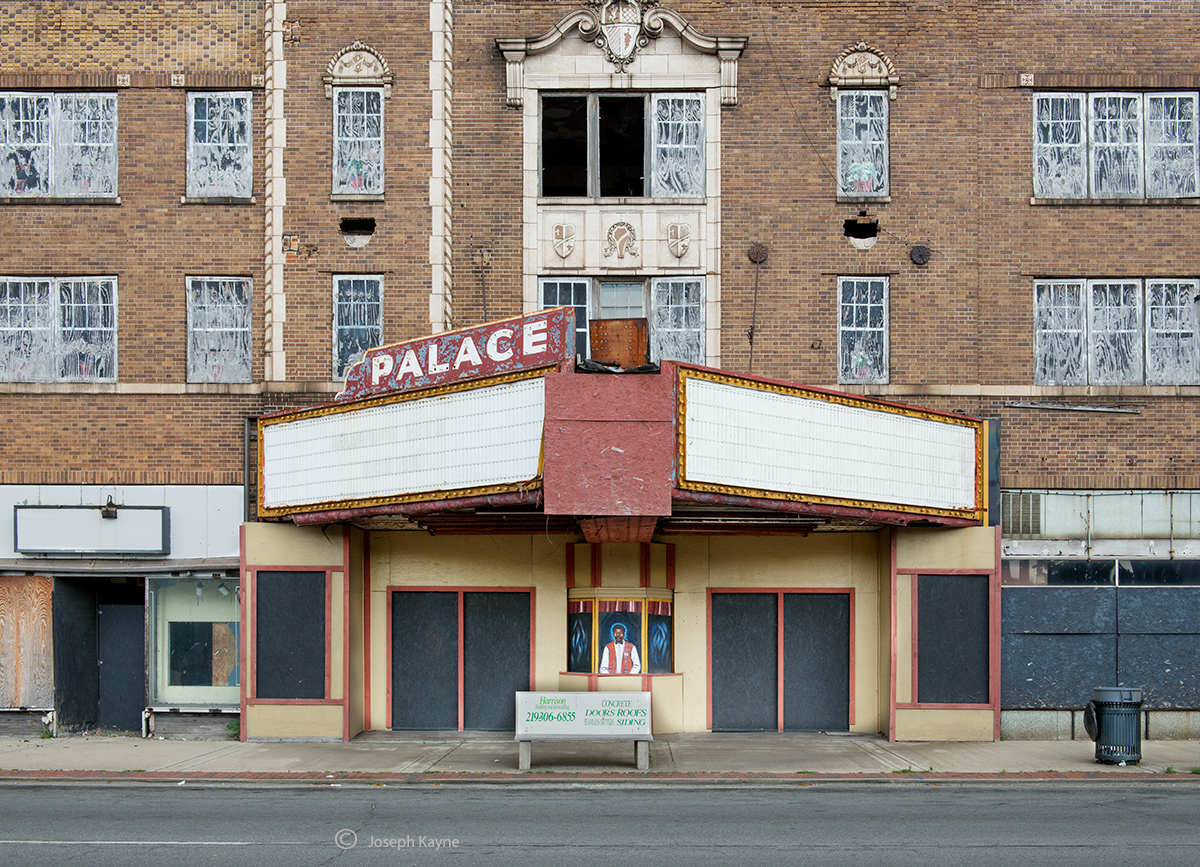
(583, 716)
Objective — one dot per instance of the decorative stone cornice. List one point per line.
(863, 65)
(357, 65)
(620, 28)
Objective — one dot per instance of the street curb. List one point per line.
(614, 777)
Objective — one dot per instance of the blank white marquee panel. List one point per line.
(753, 438)
(465, 439)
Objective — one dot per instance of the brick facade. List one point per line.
(961, 326)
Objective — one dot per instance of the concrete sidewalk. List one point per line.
(457, 757)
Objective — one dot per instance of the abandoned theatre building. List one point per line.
(731, 527)
(365, 363)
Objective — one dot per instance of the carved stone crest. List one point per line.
(679, 238)
(564, 240)
(621, 240)
(357, 65)
(621, 31)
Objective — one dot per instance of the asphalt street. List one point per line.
(1109, 823)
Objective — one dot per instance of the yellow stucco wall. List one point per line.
(944, 724)
(289, 545)
(929, 548)
(419, 560)
(293, 721)
(822, 560)
(860, 562)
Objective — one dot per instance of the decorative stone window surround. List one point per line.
(564, 60)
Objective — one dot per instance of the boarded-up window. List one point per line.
(1094, 332)
(678, 152)
(358, 141)
(58, 330)
(862, 329)
(1115, 145)
(863, 143)
(219, 157)
(1114, 332)
(58, 145)
(1172, 347)
(218, 329)
(1060, 333)
(1171, 145)
(357, 319)
(677, 319)
(1059, 146)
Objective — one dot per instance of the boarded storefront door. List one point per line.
(447, 678)
(770, 674)
(122, 632)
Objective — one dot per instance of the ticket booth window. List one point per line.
(620, 636)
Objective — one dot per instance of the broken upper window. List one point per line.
(357, 319)
(675, 305)
(862, 330)
(1116, 332)
(1115, 145)
(862, 125)
(58, 329)
(358, 141)
(218, 329)
(602, 145)
(58, 145)
(219, 156)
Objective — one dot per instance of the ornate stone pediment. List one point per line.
(863, 65)
(357, 65)
(621, 28)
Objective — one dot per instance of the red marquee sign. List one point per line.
(520, 343)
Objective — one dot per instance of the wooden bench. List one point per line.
(584, 716)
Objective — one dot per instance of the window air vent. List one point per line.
(1021, 513)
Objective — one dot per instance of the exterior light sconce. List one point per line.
(109, 509)
(224, 591)
(199, 589)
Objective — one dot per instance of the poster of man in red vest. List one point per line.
(620, 656)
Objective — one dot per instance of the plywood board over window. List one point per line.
(26, 660)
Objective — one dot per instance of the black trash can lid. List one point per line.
(1116, 693)
(1089, 720)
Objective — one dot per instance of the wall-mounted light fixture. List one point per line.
(199, 589)
(223, 589)
(109, 509)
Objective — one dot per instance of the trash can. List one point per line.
(1113, 719)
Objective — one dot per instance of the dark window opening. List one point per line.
(622, 146)
(564, 146)
(358, 226)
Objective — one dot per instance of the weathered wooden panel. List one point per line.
(26, 663)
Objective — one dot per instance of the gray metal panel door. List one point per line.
(816, 662)
(744, 655)
(122, 667)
